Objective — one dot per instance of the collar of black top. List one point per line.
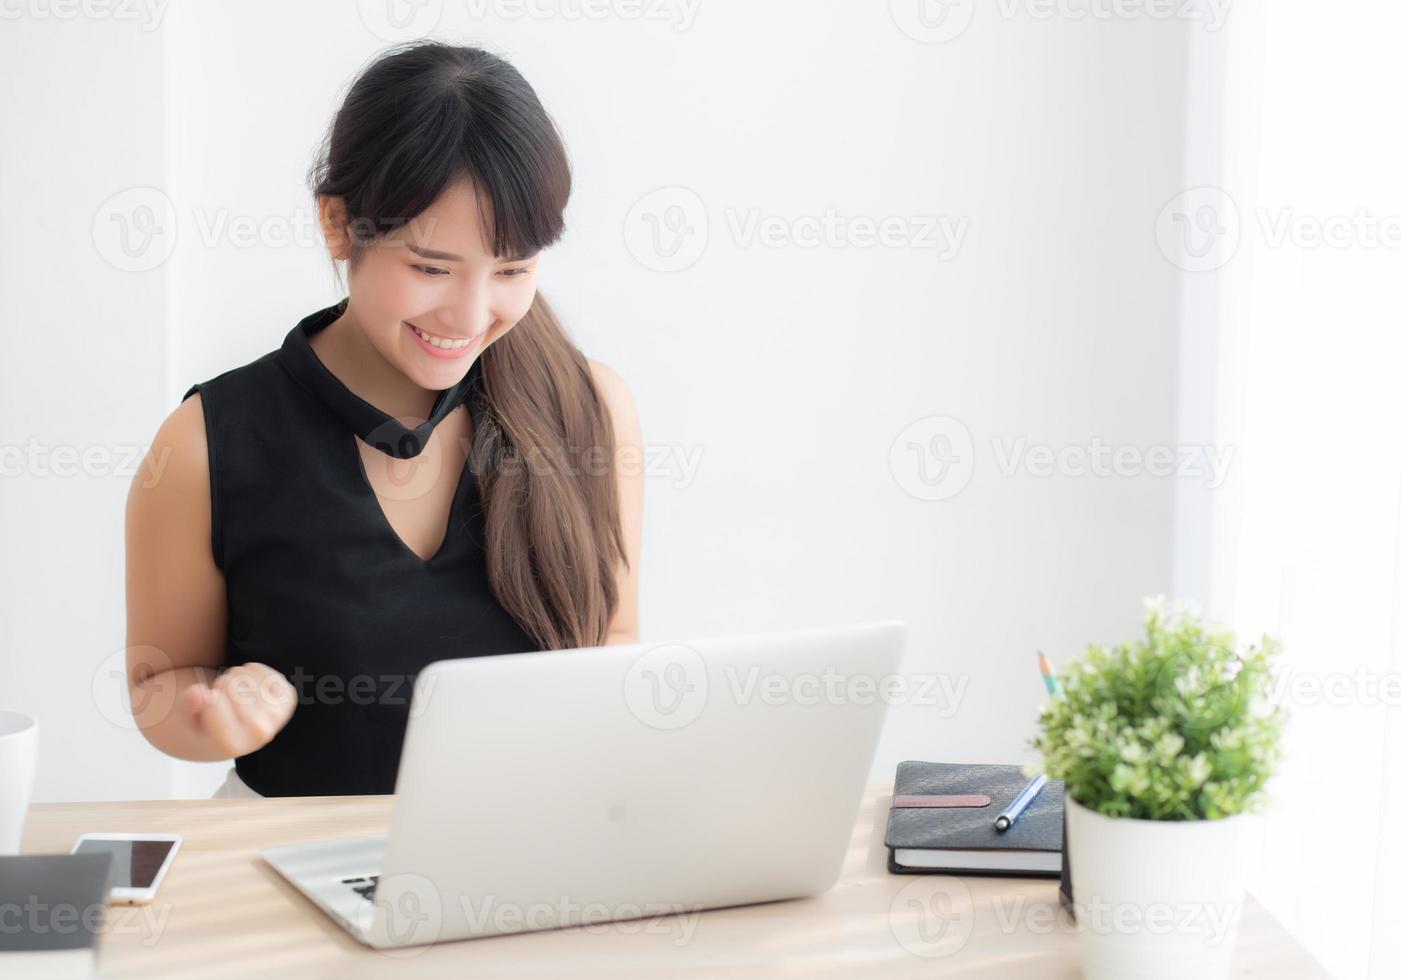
(377, 428)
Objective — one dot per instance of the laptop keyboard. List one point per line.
(364, 887)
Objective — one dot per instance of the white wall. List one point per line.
(80, 379)
(790, 370)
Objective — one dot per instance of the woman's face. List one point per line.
(431, 297)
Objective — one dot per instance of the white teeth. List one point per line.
(438, 341)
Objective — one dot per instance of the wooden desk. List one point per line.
(222, 912)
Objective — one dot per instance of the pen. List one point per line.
(1023, 800)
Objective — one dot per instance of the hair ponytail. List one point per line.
(553, 530)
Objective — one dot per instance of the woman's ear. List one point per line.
(335, 226)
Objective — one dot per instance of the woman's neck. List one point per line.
(349, 355)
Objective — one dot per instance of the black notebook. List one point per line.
(963, 840)
(58, 903)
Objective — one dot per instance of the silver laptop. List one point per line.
(543, 790)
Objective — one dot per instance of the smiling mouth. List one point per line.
(440, 342)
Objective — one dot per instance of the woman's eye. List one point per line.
(433, 271)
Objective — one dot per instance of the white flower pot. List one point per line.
(1155, 899)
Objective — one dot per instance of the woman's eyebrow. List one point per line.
(429, 253)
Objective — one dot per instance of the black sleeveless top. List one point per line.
(320, 586)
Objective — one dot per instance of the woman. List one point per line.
(422, 471)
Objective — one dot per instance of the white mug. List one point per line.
(19, 750)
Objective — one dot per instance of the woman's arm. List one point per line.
(630, 466)
(184, 701)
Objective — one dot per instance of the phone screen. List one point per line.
(135, 863)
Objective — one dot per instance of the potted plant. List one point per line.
(1164, 745)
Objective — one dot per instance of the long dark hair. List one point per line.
(421, 117)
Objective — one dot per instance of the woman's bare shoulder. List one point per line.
(172, 482)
